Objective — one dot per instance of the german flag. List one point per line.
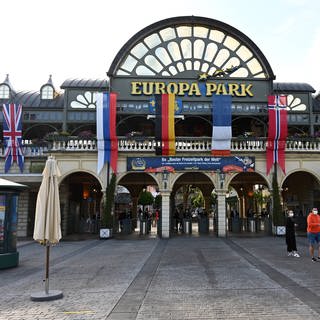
(164, 128)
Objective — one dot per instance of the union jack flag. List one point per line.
(12, 135)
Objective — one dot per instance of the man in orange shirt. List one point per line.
(313, 232)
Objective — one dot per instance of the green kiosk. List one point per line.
(9, 192)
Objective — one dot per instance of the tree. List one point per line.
(158, 201)
(197, 200)
(107, 217)
(145, 198)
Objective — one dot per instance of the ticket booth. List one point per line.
(9, 192)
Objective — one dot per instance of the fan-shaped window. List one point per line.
(175, 49)
(4, 91)
(152, 41)
(168, 34)
(198, 48)
(84, 101)
(184, 32)
(47, 92)
(163, 56)
(186, 48)
(200, 32)
(139, 50)
(294, 104)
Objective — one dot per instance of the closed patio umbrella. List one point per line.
(47, 229)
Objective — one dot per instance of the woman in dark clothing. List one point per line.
(291, 236)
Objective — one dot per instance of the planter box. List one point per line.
(105, 233)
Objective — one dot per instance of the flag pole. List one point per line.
(46, 285)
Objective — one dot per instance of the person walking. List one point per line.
(313, 232)
(291, 235)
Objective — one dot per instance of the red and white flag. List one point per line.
(277, 131)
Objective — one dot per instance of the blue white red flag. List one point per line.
(221, 129)
(277, 132)
(107, 140)
(12, 135)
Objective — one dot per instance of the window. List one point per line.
(4, 91)
(47, 92)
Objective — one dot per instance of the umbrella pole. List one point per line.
(46, 285)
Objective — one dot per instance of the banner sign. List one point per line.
(171, 164)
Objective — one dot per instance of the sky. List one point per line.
(80, 38)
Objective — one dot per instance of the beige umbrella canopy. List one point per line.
(47, 227)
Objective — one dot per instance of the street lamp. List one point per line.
(165, 175)
(222, 177)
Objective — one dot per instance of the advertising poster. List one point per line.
(172, 164)
(2, 215)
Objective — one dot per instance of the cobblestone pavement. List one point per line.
(180, 278)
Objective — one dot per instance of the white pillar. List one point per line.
(165, 214)
(222, 227)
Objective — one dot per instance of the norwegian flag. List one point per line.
(12, 135)
(277, 132)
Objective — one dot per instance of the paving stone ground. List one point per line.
(179, 278)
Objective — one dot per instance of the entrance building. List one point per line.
(196, 59)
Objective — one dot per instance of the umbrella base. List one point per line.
(43, 296)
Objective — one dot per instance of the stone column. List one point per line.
(221, 213)
(165, 214)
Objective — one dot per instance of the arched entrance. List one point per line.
(248, 204)
(141, 211)
(192, 204)
(300, 193)
(80, 197)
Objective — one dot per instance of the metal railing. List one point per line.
(148, 144)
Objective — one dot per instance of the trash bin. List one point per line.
(187, 226)
(203, 224)
(126, 226)
(243, 225)
(235, 225)
(143, 227)
(252, 225)
(261, 224)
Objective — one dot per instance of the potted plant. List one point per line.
(107, 206)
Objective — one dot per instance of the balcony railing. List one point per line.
(148, 144)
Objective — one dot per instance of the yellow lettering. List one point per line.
(194, 90)
(183, 88)
(147, 88)
(247, 89)
(233, 89)
(210, 88)
(135, 87)
(172, 87)
(221, 89)
(160, 88)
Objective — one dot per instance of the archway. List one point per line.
(191, 209)
(248, 203)
(137, 183)
(80, 197)
(300, 193)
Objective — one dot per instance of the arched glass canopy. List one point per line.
(186, 45)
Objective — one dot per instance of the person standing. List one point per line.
(313, 232)
(291, 235)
